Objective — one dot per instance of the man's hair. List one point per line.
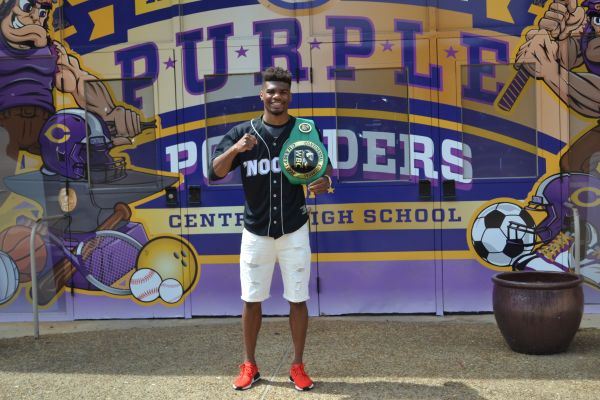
(277, 74)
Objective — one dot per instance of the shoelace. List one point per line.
(552, 249)
(298, 370)
(246, 370)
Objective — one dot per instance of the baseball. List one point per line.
(170, 291)
(144, 284)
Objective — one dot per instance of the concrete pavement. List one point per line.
(357, 357)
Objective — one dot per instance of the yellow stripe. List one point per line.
(347, 112)
(498, 137)
(341, 217)
(360, 257)
(227, 119)
(392, 256)
(387, 115)
(143, 7)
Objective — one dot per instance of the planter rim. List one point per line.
(504, 279)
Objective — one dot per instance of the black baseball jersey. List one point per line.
(273, 206)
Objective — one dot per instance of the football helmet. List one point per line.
(75, 144)
(552, 195)
(549, 198)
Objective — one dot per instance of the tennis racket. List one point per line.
(63, 270)
(103, 258)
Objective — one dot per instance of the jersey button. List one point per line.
(275, 208)
(275, 195)
(275, 182)
(274, 222)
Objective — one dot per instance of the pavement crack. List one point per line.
(272, 377)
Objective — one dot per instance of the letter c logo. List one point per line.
(587, 199)
(58, 127)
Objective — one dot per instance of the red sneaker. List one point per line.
(300, 378)
(248, 376)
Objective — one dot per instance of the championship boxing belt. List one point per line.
(303, 157)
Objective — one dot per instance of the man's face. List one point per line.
(23, 27)
(276, 97)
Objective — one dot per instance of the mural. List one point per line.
(462, 135)
(96, 246)
(561, 52)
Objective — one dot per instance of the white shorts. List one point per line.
(257, 262)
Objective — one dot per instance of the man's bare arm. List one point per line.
(222, 164)
(322, 184)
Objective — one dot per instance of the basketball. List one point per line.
(9, 278)
(14, 241)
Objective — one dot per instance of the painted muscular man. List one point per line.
(568, 38)
(31, 66)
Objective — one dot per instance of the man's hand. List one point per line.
(539, 54)
(125, 124)
(320, 185)
(247, 142)
(562, 18)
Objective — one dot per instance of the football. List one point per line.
(490, 233)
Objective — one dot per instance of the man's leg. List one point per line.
(294, 260)
(251, 322)
(257, 260)
(298, 326)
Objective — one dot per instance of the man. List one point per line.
(275, 222)
(31, 67)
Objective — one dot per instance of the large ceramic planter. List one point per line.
(538, 312)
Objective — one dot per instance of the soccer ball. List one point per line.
(490, 234)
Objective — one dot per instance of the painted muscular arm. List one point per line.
(569, 53)
(582, 93)
(553, 64)
(555, 45)
(91, 94)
